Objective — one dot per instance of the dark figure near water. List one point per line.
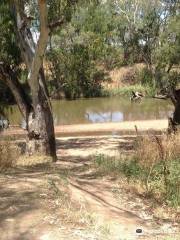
(136, 96)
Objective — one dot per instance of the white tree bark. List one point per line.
(40, 120)
(39, 50)
(33, 54)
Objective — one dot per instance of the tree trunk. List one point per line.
(41, 128)
(40, 125)
(176, 115)
(41, 139)
(175, 121)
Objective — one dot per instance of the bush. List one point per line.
(75, 72)
(155, 164)
(160, 159)
(116, 166)
(145, 76)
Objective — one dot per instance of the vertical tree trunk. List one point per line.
(40, 125)
(41, 128)
(176, 115)
(174, 122)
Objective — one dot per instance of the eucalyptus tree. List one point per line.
(137, 23)
(78, 49)
(167, 58)
(21, 21)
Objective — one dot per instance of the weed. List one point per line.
(115, 165)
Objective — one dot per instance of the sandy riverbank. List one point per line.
(127, 127)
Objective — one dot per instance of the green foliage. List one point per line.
(115, 33)
(9, 51)
(60, 9)
(107, 165)
(169, 51)
(145, 76)
(133, 170)
(75, 72)
(156, 164)
(127, 90)
(98, 36)
(173, 187)
(167, 54)
(79, 52)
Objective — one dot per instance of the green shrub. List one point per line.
(160, 157)
(115, 166)
(75, 72)
(145, 76)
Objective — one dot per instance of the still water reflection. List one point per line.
(98, 110)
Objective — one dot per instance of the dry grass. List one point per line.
(9, 154)
(159, 158)
(25, 160)
(151, 150)
(76, 214)
(122, 76)
(12, 153)
(154, 166)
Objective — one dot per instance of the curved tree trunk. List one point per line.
(41, 139)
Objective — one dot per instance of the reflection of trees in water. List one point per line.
(104, 117)
(104, 110)
(107, 109)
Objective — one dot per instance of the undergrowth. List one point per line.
(127, 90)
(155, 163)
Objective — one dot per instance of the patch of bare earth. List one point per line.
(68, 200)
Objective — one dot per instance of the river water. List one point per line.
(98, 110)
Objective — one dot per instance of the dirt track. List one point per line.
(31, 208)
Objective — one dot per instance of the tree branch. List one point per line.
(135, 11)
(40, 50)
(8, 76)
(24, 35)
(56, 24)
(33, 54)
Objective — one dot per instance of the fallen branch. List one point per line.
(161, 97)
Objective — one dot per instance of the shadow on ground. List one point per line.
(27, 199)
